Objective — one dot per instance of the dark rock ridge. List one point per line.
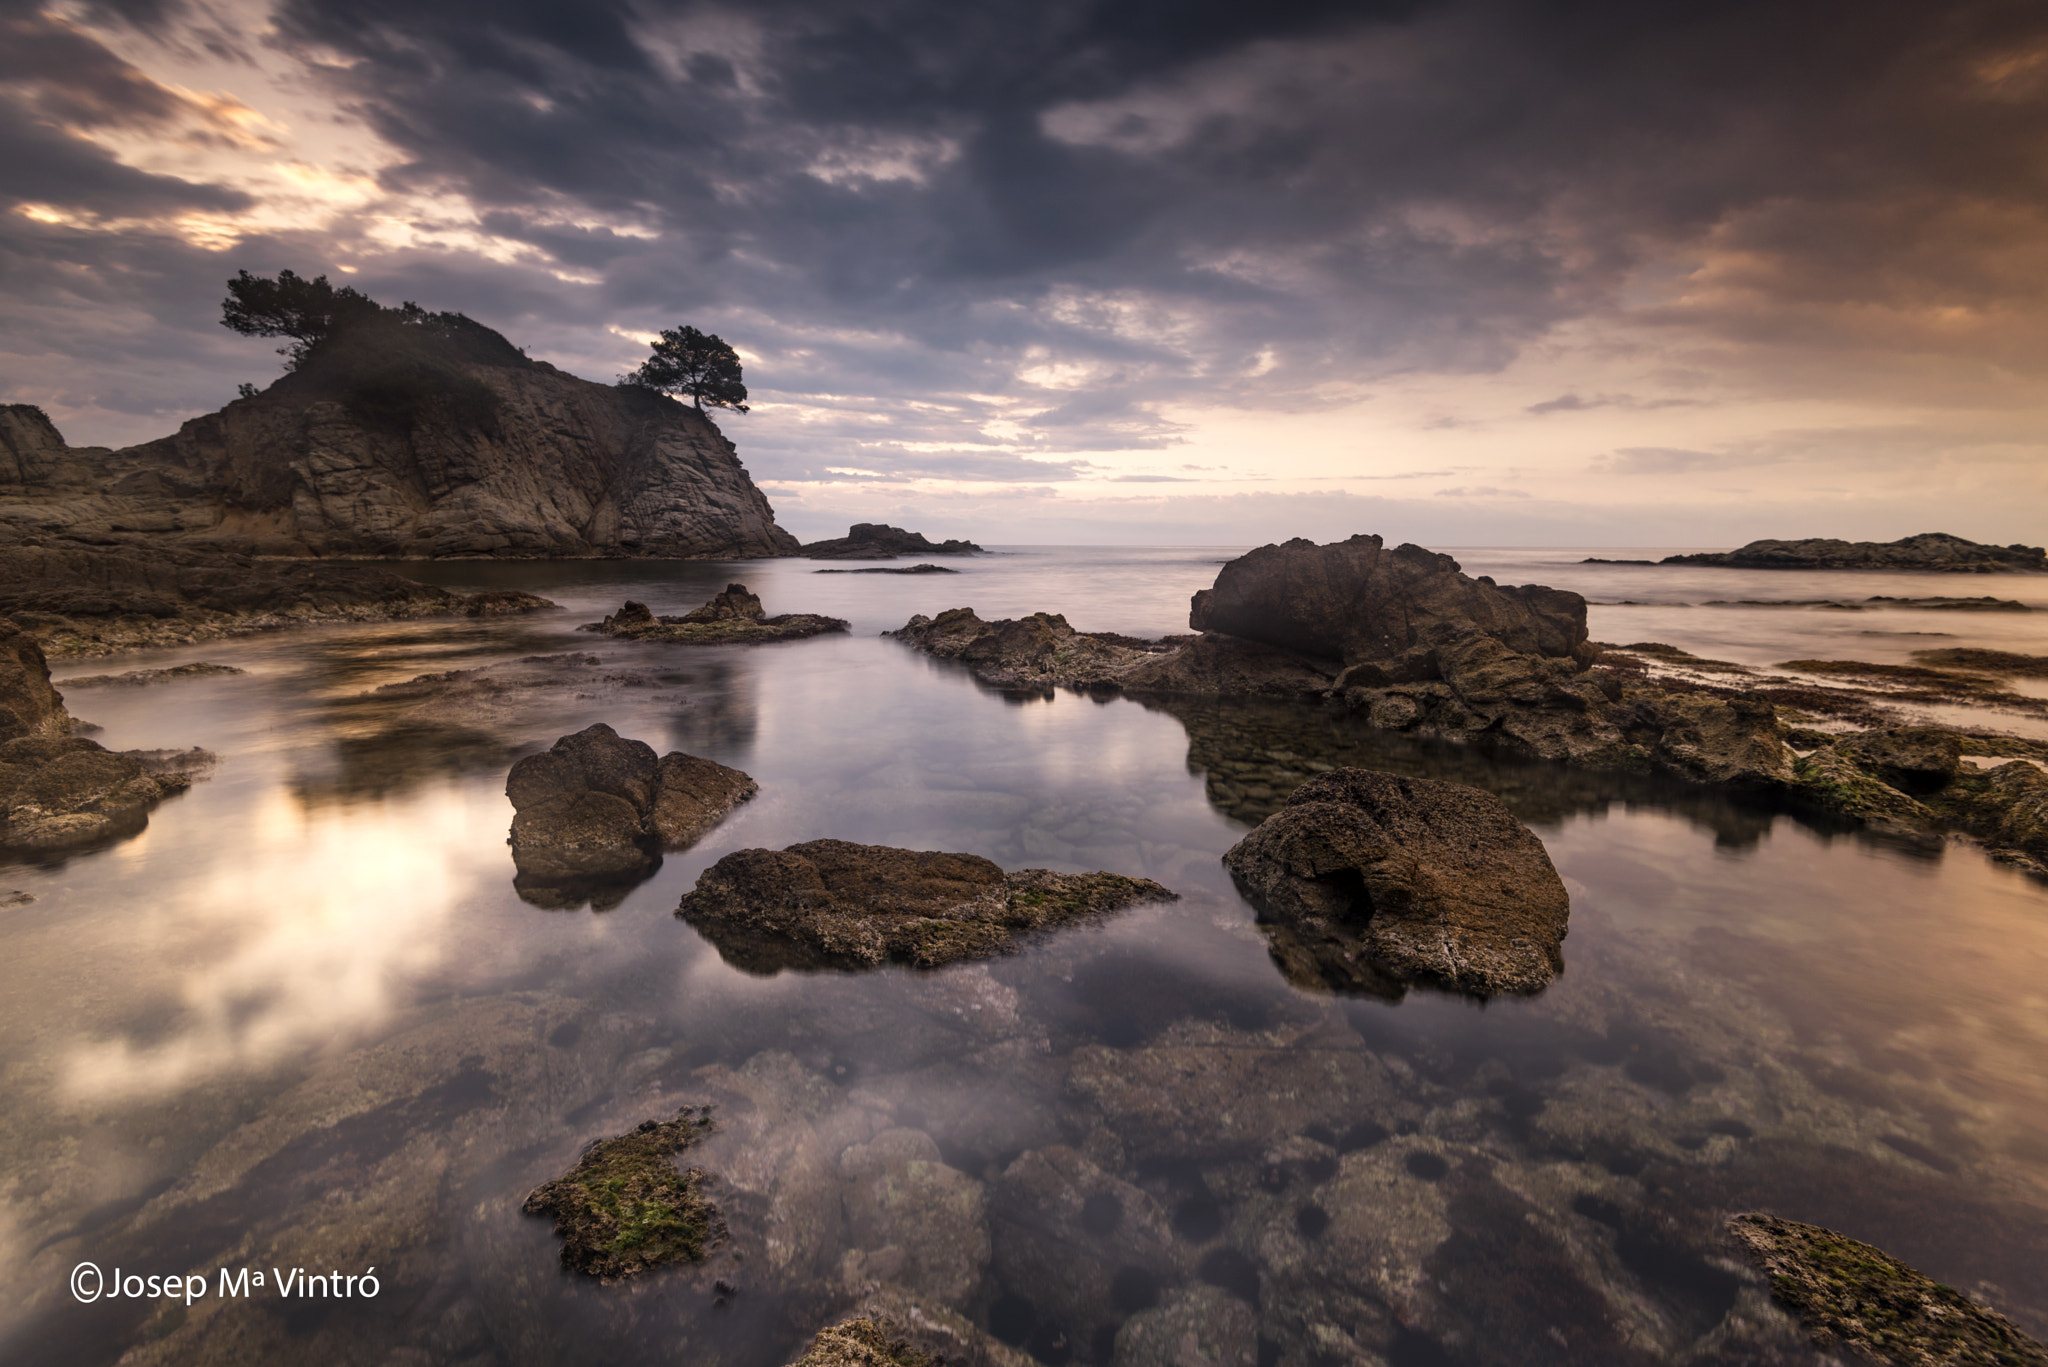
(732, 617)
(624, 1208)
(835, 904)
(143, 678)
(1366, 881)
(62, 792)
(478, 452)
(596, 810)
(1927, 551)
(885, 569)
(877, 541)
(96, 594)
(1851, 1295)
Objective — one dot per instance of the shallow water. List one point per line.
(303, 1020)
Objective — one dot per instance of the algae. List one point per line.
(625, 1208)
(863, 1342)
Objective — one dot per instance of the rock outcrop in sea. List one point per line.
(593, 813)
(419, 444)
(1366, 882)
(835, 904)
(1927, 551)
(732, 617)
(879, 541)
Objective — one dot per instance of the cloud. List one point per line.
(1481, 491)
(1661, 460)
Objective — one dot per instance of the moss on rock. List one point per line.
(863, 1342)
(1850, 1293)
(625, 1208)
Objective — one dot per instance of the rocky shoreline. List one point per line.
(1936, 551)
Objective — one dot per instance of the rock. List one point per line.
(1927, 551)
(908, 1210)
(486, 453)
(732, 617)
(1365, 877)
(886, 569)
(1036, 652)
(1851, 1295)
(1734, 741)
(1831, 779)
(597, 809)
(82, 595)
(835, 904)
(1919, 759)
(1198, 1327)
(140, 678)
(29, 705)
(1357, 602)
(1215, 665)
(875, 541)
(862, 1342)
(2005, 807)
(624, 1208)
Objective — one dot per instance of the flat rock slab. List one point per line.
(1853, 1295)
(835, 904)
(1367, 881)
(625, 1207)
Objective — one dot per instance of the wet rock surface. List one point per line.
(1927, 551)
(143, 678)
(861, 1342)
(1035, 653)
(1365, 880)
(878, 541)
(836, 904)
(595, 811)
(1850, 1295)
(93, 594)
(1911, 782)
(734, 616)
(625, 1208)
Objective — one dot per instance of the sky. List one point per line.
(1466, 272)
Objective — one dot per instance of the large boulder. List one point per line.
(835, 904)
(1367, 881)
(595, 812)
(1358, 602)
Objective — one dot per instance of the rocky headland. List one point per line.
(1927, 551)
(879, 541)
(834, 904)
(1368, 881)
(732, 617)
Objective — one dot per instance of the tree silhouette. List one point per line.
(307, 311)
(698, 364)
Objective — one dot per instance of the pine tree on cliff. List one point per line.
(700, 365)
(307, 311)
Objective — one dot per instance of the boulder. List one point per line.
(1916, 759)
(1366, 881)
(597, 809)
(835, 904)
(906, 1209)
(877, 541)
(1037, 652)
(734, 616)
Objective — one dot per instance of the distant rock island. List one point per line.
(438, 440)
(1927, 551)
(875, 541)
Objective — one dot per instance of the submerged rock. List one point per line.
(835, 904)
(878, 541)
(734, 616)
(862, 1342)
(1927, 551)
(1367, 880)
(625, 1208)
(139, 678)
(1858, 1297)
(597, 809)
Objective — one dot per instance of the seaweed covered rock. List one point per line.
(835, 904)
(1366, 881)
(1913, 759)
(734, 616)
(861, 1342)
(597, 809)
(1851, 1295)
(625, 1208)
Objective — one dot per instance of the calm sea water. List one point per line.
(303, 1019)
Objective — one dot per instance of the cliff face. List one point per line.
(518, 459)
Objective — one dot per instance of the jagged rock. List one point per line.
(877, 541)
(141, 678)
(1830, 778)
(734, 616)
(1918, 759)
(1039, 651)
(1927, 551)
(1734, 741)
(29, 705)
(1357, 602)
(92, 596)
(835, 904)
(624, 1207)
(1365, 877)
(1852, 1295)
(489, 453)
(597, 809)
(861, 1342)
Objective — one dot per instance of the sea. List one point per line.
(305, 1021)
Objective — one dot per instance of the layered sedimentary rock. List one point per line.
(1366, 881)
(878, 541)
(835, 904)
(1927, 551)
(732, 617)
(482, 453)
